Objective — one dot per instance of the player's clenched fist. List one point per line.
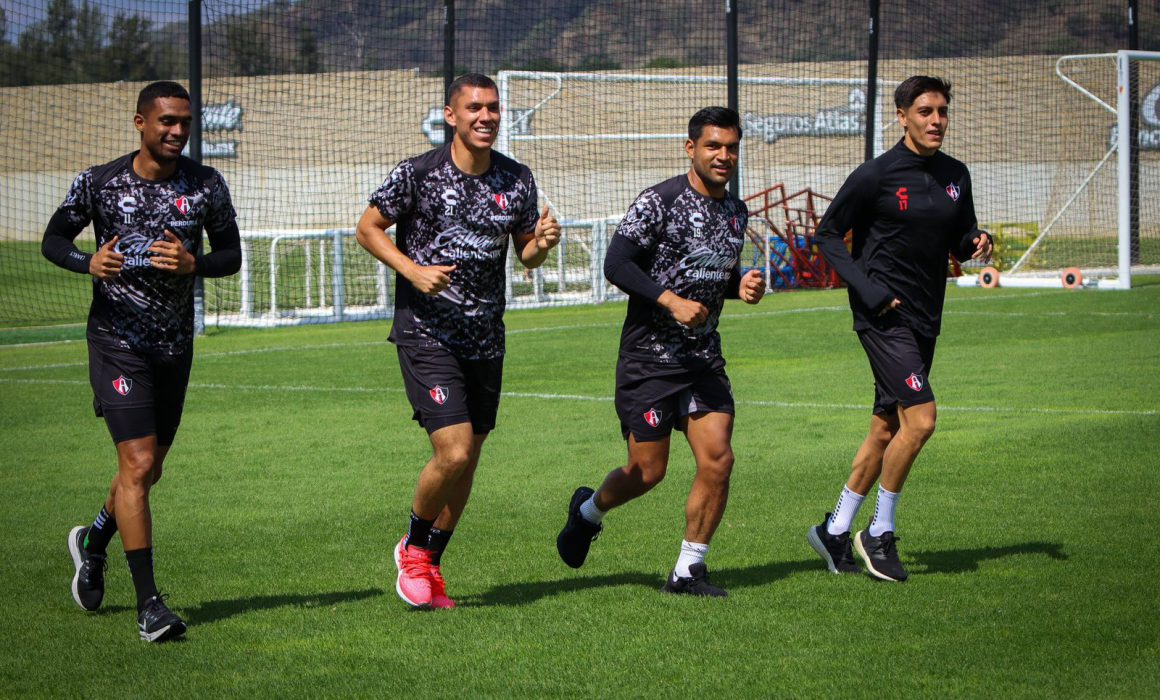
(170, 254)
(431, 279)
(106, 263)
(685, 311)
(752, 287)
(547, 231)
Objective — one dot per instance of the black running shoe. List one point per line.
(880, 555)
(697, 584)
(576, 538)
(88, 584)
(157, 623)
(835, 550)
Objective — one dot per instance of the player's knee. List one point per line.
(137, 469)
(717, 467)
(453, 458)
(649, 471)
(921, 427)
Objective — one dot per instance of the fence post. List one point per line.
(1134, 133)
(872, 82)
(448, 57)
(731, 78)
(195, 146)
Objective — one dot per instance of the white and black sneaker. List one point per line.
(157, 623)
(880, 555)
(88, 584)
(697, 584)
(835, 550)
(576, 538)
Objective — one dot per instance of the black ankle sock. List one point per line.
(101, 531)
(419, 532)
(141, 568)
(437, 542)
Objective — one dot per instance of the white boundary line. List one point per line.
(299, 388)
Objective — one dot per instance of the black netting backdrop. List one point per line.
(308, 105)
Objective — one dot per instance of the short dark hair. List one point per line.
(159, 89)
(721, 117)
(915, 86)
(478, 80)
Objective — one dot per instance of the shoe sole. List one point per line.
(164, 634)
(573, 504)
(820, 548)
(399, 581)
(78, 559)
(874, 573)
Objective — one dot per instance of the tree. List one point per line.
(132, 52)
(249, 49)
(307, 60)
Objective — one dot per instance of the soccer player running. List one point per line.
(908, 208)
(676, 254)
(455, 208)
(148, 209)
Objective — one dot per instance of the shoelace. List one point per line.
(156, 607)
(91, 571)
(413, 565)
(889, 546)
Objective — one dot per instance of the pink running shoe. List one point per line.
(414, 582)
(439, 597)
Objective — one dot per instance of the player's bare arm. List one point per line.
(372, 236)
(752, 287)
(106, 263)
(170, 254)
(685, 311)
(533, 246)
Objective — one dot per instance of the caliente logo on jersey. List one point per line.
(652, 417)
(122, 385)
(438, 394)
(914, 381)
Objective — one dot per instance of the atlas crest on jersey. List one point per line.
(652, 417)
(122, 385)
(953, 190)
(914, 381)
(181, 204)
(438, 394)
(502, 200)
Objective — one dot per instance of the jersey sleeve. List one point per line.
(644, 221)
(530, 213)
(852, 204)
(70, 218)
(395, 198)
(221, 227)
(968, 228)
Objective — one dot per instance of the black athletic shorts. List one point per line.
(446, 390)
(138, 394)
(900, 360)
(651, 397)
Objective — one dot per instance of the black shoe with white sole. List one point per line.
(835, 550)
(881, 556)
(157, 623)
(576, 538)
(697, 584)
(88, 584)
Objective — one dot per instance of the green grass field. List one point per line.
(1028, 525)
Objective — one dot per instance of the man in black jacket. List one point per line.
(908, 209)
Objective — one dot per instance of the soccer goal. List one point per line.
(1101, 221)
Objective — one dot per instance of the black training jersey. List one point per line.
(907, 212)
(145, 308)
(694, 244)
(444, 216)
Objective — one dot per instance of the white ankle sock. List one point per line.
(691, 553)
(884, 512)
(844, 512)
(590, 512)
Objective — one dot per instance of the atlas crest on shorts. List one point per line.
(914, 381)
(438, 394)
(652, 417)
(122, 385)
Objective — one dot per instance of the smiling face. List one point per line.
(474, 115)
(714, 157)
(925, 123)
(164, 128)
